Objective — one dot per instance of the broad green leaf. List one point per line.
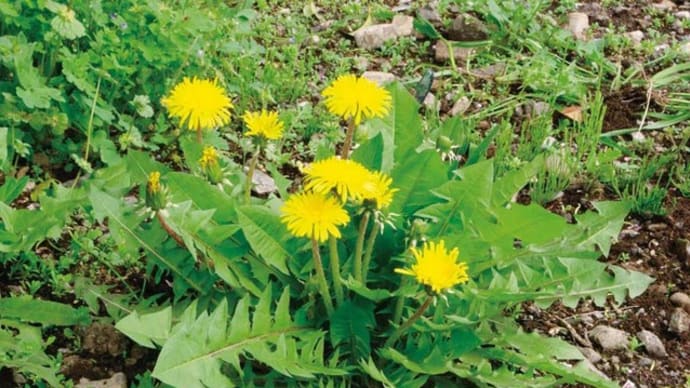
(149, 329)
(351, 324)
(415, 177)
(601, 229)
(27, 309)
(266, 234)
(370, 153)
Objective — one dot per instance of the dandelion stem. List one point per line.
(321, 277)
(369, 250)
(335, 269)
(400, 303)
(199, 138)
(401, 330)
(359, 247)
(349, 134)
(250, 175)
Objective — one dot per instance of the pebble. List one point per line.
(441, 53)
(371, 37)
(683, 14)
(467, 28)
(685, 48)
(628, 384)
(609, 338)
(679, 322)
(592, 355)
(681, 247)
(681, 299)
(118, 380)
(636, 36)
(664, 5)
(652, 344)
(380, 77)
(430, 14)
(430, 101)
(658, 290)
(657, 227)
(460, 106)
(646, 361)
(578, 23)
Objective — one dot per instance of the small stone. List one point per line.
(460, 106)
(664, 5)
(679, 322)
(636, 36)
(467, 28)
(430, 14)
(628, 384)
(658, 290)
(609, 338)
(578, 23)
(681, 299)
(380, 77)
(489, 72)
(646, 361)
(652, 344)
(441, 53)
(638, 137)
(591, 354)
(118, 380)
(685, 48)
(683, 15)
(404, 25)
(263, 183)
(657, 227)
(430, 101)
(371, 37)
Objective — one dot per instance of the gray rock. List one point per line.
(652, 344)
(430, 14)
(609, 338)
(461, 105)
(118, 380)
(679, 322)
(664, 5)
(371, 37)
(263, 183)
(430, 101)
(628, 384)
(683, 14)
(646, 361)
(404, 25)
(441, 53)
(380, 77)
(681, 299)
(467, 28)
(578, 23)
(591, 354)
(636, 36)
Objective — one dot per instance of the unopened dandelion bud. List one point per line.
(156, 193)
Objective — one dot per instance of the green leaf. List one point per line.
(415, 177)
(266, 234)
(27, 309)
(147, 330)
(39, 96)
(401, 129)
(426, 28)
(351, 324)
(370, 153)
(195, 353)
(601, 229)
(12, 188)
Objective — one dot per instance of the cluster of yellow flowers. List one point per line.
(316, 214)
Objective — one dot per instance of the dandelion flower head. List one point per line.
(313, 215)
(347, 177)
(436, 267)
(264, 123)
(356, 98)
(198, 104)
(378, 190)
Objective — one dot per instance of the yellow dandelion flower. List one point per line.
(347, 177)
(436, 268)
(198, 104)
(313, 215)
(154, 183)
(356, 98)
(264, 123)
(378, 190)
(209, 157)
